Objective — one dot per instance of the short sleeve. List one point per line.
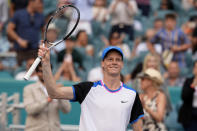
(137, 110)
(81, 90)
(14, 19)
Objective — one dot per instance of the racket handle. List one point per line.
(32, 68)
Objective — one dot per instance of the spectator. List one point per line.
(20, 75)
(24, 29)
(144, 6)
(116, 39)
(194, 43)
(187, 4)
(3, 14)
(172, 76)
(90, 50)
(42, 111)
(158, 24)
(82, 39)
(52, 35)
(99, 11)
(71, 50)
(122, 13)
(153, 100)
(85, 8)
(150, 61)
(141, 44)
(188, 111)
(66, 71)
(172, 39)
(166, 5)
(17, 5)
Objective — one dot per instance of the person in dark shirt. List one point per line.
(24, 29)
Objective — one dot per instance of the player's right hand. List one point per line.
(44, 52)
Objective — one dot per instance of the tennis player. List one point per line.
(106, 105)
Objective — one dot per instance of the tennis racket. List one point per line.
(59, 20)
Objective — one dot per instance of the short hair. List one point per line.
(79, 32)
(170, 16)
(158, 19)
(111, 34)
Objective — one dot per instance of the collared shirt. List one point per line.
(169, 39)
(28, 28)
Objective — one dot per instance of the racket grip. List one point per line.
(32, 68)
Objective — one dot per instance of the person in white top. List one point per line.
(106, 105)
(122, 13)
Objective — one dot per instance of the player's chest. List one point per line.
(104, 100)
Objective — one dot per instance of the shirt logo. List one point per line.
(124, 101)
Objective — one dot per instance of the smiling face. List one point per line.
(145, 83)
(152, 63)
(112, 64)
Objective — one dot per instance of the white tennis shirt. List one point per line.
(103, 109)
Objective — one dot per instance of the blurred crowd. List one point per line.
(159, 34)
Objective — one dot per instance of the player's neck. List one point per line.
(112, 83)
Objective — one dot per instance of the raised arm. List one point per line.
(53, 91)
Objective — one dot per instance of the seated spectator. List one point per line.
(172, 76)
(20, 75)
(141, 44)
(153, 100)
(166, 5)
(82, 39)
(150, 61)
(116, 39)
(52, 36)
(188, 111)
(70, 49)
(158, 24)
(66, 71)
